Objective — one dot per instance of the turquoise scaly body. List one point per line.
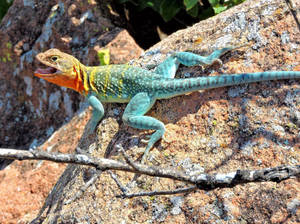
(140, 88)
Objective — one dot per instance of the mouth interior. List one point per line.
(46, 71)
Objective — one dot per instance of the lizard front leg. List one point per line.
(98, 111)
(134, 117)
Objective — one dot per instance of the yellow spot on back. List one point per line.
(92, 78)
(106, 81)
(121, 80)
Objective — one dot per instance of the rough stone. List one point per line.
(30, 105)
(194, 120)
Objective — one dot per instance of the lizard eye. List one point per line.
(54, 58)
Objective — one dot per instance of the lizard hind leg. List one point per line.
(168, 68)
(134, 117)
(191, 59)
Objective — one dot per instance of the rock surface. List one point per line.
(30, 108)
(25, 185)
(243, 127)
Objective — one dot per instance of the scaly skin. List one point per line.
(139, 87)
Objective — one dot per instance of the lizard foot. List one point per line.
(146, 139)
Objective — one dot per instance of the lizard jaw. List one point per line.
(46, 72)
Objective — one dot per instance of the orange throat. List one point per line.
(73, 82)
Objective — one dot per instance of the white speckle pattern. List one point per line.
(225, 177)
(54, 100)
(68, 105)
(28, 3)
(28, 82)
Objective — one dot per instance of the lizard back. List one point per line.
(119, 83)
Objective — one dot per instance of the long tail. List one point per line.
(174, 87)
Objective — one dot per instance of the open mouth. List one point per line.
(49, 71)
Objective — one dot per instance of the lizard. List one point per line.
(139, 87)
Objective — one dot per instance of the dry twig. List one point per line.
(202, 181)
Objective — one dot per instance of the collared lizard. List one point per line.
(139, 87)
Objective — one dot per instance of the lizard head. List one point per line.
(61, 69)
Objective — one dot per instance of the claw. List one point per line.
(217, 61)
(145, 141)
